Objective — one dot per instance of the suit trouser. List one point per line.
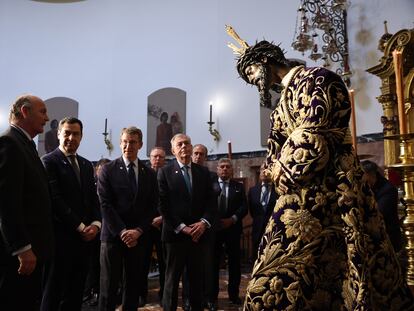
(64, 277)
(117, 260)
(154, 238)
(19, 292)
(208, 286)
(92, 279)
(177, 256)
(228, 242)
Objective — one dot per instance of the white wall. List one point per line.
(109, 55)
(366, 26)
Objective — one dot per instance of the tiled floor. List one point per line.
(223, 302)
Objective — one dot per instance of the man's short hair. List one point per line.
(157, 148)
(225, 160)
(369, 167)
(179, 135)
(15, 110)
(132, 130)
(70, 120)
(201, 146)
(102, 162)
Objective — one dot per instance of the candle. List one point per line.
(353, 128)
(399, 89)
(211, 113)
(106, 123)
(229, 149)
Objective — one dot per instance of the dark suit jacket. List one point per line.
(260, 217)
(386, 196)
(25, 207)
(72, 203)
(177, 206)
(236, 204)
(121, 207)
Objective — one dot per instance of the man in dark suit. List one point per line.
(199, 156)
(26, 235)
(187, 204)
(76, 219)
(157, 160)
(91, 291)
(262, 200)
(128, 194)
(232, 209)
(386, 197)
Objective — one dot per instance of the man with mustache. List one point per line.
(325, 247)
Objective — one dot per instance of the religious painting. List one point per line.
(166, 117)
(57, 109)
(265, 112)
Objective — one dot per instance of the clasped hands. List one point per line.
(27, 262)
(130, 237)
(157, 222)
(89, 233)
(195, 230)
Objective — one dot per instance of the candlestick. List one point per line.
(353, 128)
(106, 123)
(229, 149)
(399, 90)
(211, 113)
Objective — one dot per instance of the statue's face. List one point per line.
(260, 75)
(254, 73)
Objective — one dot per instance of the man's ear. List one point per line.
(24, 110)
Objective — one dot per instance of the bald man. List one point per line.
(26, 236)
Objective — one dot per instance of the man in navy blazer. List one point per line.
(26, 235)
(76, 219)
(262, 199)
(232, 209)
(188, 206)
(128, 194)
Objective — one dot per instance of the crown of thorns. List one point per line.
(248, 55)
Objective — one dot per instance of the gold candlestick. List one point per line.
(406, 166)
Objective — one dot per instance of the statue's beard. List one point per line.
(263, 86)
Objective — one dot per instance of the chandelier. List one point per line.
(322, 33)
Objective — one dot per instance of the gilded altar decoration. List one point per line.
(396, 71)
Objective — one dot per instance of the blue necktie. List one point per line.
(131, 176)
(187, 177)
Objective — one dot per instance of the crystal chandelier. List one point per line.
(321, 31)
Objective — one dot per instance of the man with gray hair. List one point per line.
(128, 195)
(187, 204)
(157, 160)
(26, 235)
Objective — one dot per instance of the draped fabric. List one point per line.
(325, 246)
